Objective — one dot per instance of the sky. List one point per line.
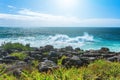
(60, 13)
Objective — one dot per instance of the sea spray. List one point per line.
(58, 40)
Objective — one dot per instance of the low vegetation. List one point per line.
(27, 66)
(98, 70)
(20, 55)
(15, 46)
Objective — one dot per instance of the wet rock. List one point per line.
(46, 66)
(34, 49)
(68, 48)
(48, 48)
(77, 49)
(104, 50)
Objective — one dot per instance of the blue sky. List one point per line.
(60, 13)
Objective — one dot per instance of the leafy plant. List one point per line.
(98, 70)
(15, 46)
(20, 55)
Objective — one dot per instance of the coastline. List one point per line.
(15, 57)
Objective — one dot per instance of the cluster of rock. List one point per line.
(48, 57)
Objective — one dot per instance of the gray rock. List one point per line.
(54, 59)
(107, 55)
(46, 66)
(104, 50)
(77, 49)
(75, 58)
(10, 58)
(48, 48)
(53, 54)
(69, 62)
(68, 48)
(91, 54)
(17, 73)
(114, 58)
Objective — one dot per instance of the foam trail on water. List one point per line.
(58, 40)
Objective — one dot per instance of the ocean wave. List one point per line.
(58, 40)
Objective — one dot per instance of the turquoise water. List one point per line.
(85, 38)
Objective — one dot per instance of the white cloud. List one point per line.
(12, 7)
(27, 17)
(101, 22)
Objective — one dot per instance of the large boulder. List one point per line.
(77, 49)
(104, 50)
(73, 61)
(87, 60)
(3, 53)
(52, 54)
(108, 55)
(9, 59)
(69, 48)
(16, 68)
(54, 59)
(46, 48)
(114, 58)
(46, 66)
(28, 59)
(91, 54)
(36, 55)
(17, 72)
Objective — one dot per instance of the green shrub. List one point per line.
(60, 60)
(20, 55)
(35, 63)
(15, 46)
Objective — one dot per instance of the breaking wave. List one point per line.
(58, 40)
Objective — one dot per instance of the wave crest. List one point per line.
(59, 40)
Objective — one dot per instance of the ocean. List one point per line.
(84, 37)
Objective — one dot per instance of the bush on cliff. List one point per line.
(15, 46)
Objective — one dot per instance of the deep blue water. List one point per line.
(83, 37)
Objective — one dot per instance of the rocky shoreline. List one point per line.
(50, 58)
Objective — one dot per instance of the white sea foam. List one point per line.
(59, 40)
